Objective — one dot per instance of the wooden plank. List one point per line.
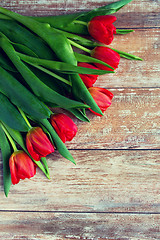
(102, 181)
(142, 13)
(109, 194)
(132, 121)
(59, 226)
(142, 43)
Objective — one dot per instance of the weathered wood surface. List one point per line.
(145, 44)
(102, 181)
(50, 226)
(132, 121)
(114, 190)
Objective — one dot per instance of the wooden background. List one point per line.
(114, 190)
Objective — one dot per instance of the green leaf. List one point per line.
(127, 55)
(52, 82)
(79, 90)
(57, 41)
(4, 17)
(21, 36)
(21, 97)
(84, 58)
(42, 91)
(90, 44)
(16, 135)
(10, 115)
(44, 161)
(60, 45)
(6, 63)
(69, 22)
(6, 153)
(52, 74)
(23, 49)
(20, 47)
(64, 22)
(64, 67)
(105, 10)
(79, 114)
(78, 39)
(60, 21)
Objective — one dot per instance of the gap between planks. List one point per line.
(80, 212)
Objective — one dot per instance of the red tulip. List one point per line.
(102, 97)
(102, 29)
(64, 126)
(21, 166)
(106, 55)
(38, 144)
(88, 79)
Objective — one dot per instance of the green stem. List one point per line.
(126, 55)
(123, 31)
(40, 165)
(79, 46)
(9, 137)
(81, 40)
(81, 22)
(51, 73)
(25, 118)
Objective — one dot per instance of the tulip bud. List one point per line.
(88, 79)
(102, 29)
(21, 166)
(38, 144)
(64, 126)
(106, 55)
(102, 97)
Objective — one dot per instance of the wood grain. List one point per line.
(144, 43)
(51, 226)
(113, 192)
(102, 181)
(132, 121)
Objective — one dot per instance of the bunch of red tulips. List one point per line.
(74, 75)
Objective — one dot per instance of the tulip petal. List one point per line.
(88, 79)
(102, 29)
(38, 144)
(102, 97)
(21, 166)
(107, 55)
(64, 126)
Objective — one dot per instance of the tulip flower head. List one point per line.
(101, 28)
(102, 97)
(64, 126)
(38, 144)
(88, 79)
(106, 55)
(21, 166)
